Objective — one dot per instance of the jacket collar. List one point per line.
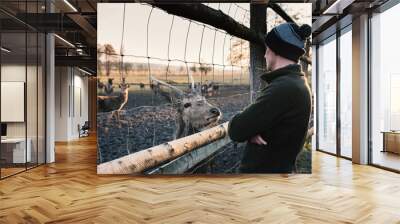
(289, 69)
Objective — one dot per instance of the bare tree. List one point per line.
(258, 13)
(109, 52)
(100, 53)
(193, 68)
(204, 69)
(239, 52)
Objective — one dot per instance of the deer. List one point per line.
(109, 88)
(209, 89)
(112, 102)
(193, 112)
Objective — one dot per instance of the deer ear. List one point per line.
(176, 102)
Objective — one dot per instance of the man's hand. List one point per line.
(258, 140)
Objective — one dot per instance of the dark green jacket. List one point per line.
(280, 115)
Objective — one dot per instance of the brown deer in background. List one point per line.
(209, 89)
(113, 102)
(194, 112)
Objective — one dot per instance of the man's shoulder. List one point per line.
(290, 80)
(287, 85)
(280, 84)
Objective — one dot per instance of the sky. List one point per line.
(134, 41)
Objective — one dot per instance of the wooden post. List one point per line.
(157, 155)
(258, 15)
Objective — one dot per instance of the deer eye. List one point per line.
(186, 105)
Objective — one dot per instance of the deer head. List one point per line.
(194, 112)
(109, 88)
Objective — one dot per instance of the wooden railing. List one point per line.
(201, 145)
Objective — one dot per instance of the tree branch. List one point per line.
(216, 18)
(281, 12)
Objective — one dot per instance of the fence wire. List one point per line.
(199, 63)
(126, 126)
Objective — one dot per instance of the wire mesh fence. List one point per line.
(212, 60)
(182, 55)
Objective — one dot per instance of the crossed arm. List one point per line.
(259, 116)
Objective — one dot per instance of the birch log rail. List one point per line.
(157, 155)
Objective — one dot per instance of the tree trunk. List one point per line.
(304, 64)
(258, 17)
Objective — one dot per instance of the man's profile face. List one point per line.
(269, 58)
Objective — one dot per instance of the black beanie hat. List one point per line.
(287, 40)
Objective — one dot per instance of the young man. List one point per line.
(275, 125)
